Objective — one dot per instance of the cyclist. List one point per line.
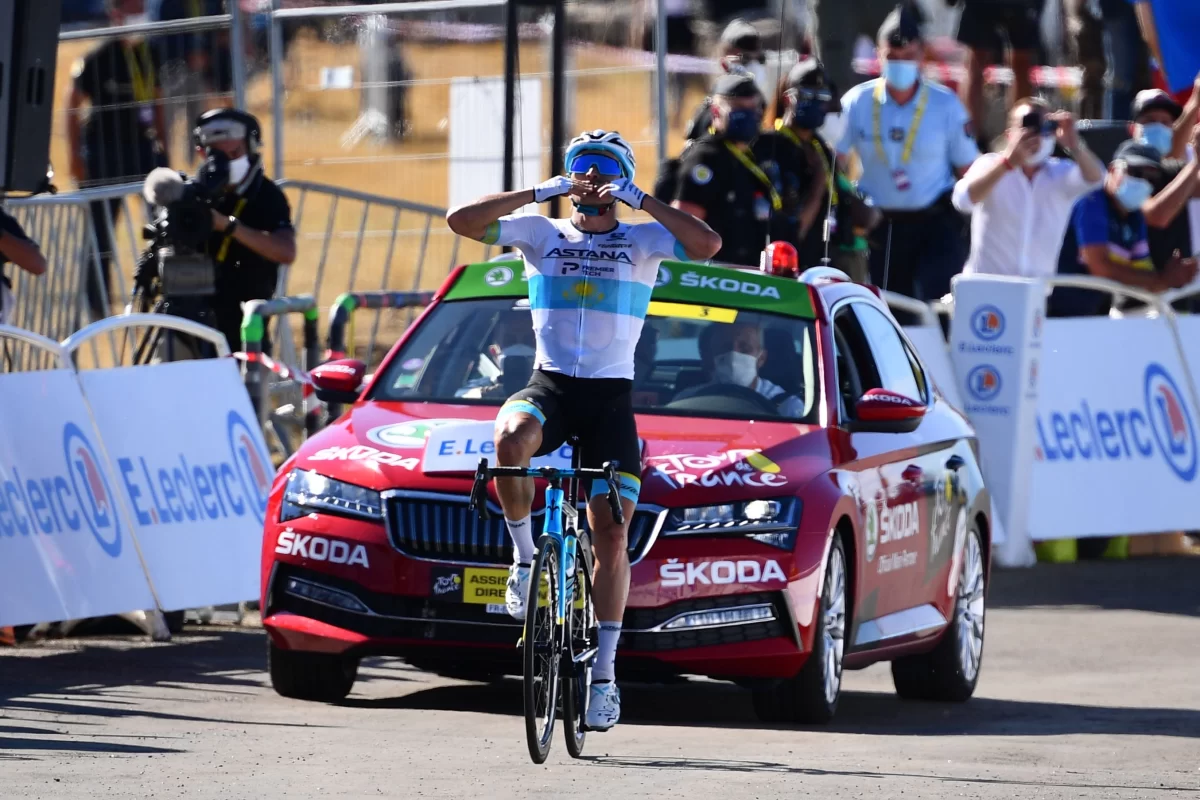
(590, 279)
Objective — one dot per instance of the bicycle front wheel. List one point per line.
(581, 635)
(543, 650)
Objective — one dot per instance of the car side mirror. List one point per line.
(339, 381)
(885, 411)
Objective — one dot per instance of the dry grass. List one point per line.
(333, 257)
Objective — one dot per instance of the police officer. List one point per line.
(122, 136)
(914, 139)
(820, 207)
(252, 220)
(17, 247)
(721, 183)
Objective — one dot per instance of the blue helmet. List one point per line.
(607, 142)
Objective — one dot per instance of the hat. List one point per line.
(736, 85)
(741, 35)
(902, 26)
(1150, 99)
(808, 73)
(1136, 154)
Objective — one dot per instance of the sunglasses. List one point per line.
(819, 95)
(605, 165)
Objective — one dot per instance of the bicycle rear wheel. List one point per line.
(543, 650)
(581, 636)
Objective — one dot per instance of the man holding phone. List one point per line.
(1020, 200)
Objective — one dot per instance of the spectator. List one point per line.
(1155, 115)
(720, 181)
(18, 248)
(984, 28)
(913, 138)
(681, 40)
(1020, 201)
(835, 26)
(1108, 239)
(121, 139)
(817, 197)
(1103, 39)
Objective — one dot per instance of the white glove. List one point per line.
(625, 191)
(556, 186)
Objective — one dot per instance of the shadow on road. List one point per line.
(720, 705)
(1163, 585)
(729, 765)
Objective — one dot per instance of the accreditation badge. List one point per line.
(900, 177)
(762, 208)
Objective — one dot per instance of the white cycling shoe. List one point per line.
(517, 589)
(604, 706)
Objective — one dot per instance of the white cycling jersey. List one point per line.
(588, 292)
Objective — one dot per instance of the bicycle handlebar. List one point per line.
(483, 473)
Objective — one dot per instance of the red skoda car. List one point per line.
(809, 505)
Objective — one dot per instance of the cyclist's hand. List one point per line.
(626, 192)
(555, 187)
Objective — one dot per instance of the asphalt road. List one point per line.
(1090, 689)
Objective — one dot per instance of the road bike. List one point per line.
(561, 632)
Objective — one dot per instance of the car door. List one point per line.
(878, 486)
(917, 474)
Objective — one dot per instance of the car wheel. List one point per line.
(321, 677)
(949, 672)
(812, 696)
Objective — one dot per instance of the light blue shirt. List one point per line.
(944, 141)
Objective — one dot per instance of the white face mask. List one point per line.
(737, 368)
(1045, 148)
(238, 169)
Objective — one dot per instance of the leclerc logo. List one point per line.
(253, 466)
(988, 323)
(1163, 426)
(92, 492)
(983, 383)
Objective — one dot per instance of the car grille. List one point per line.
(442, 527)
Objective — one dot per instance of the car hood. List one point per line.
(686, 460)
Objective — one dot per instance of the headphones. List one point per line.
(253, 131)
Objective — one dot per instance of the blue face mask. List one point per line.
(1133, 192)
(742, 125)
(901, 75)
(1158, 136)
(810, 114)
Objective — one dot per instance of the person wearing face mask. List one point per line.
(121, 136)
(252, 219)
(1020, 201)
(733, 354)
(1156, 122)
(914, 140)
(721, 182)
(1107, 237)
(818, 199)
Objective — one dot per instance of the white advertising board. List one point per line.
(995, 346)
(189, 459)
(1115, 434)
(65, 550)
(458, 448)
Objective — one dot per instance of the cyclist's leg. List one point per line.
(610, 436)
(528, 425)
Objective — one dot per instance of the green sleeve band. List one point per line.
(492, 234)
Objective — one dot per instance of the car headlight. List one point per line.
(771, 522)
(310, 492)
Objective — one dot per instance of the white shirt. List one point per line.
(1018, 229)
(792, 406)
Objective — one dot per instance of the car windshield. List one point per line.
(691, 360)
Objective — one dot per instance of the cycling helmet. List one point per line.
(607, 142)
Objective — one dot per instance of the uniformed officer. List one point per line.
(821, 213)
(121, 138)
(914, 140)
(720, 181)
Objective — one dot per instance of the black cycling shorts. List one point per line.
(983, 20)
(597, 410)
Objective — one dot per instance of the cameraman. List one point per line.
(252, 220)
